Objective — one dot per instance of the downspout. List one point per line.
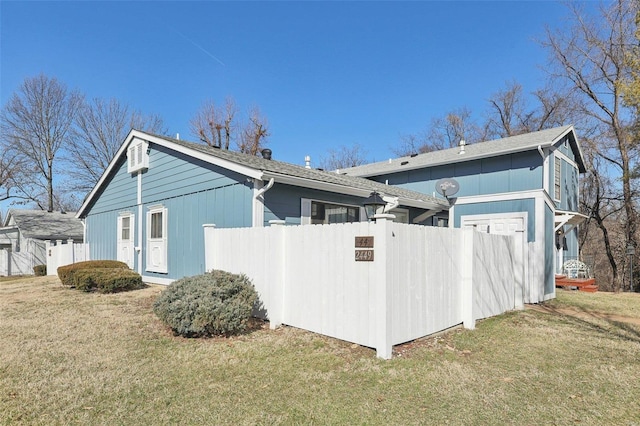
(392, 203)
(541, 151)
(264, 189)
(258, 206)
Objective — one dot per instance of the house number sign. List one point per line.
(363, 243)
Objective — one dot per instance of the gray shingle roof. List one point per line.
(274, 168)
(492, 148)
(43, 225)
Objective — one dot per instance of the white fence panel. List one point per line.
(65, 253)
(426, 280)
(21, 263)
(326, 291)
(4, 262)
(494, 276)
(422, 279)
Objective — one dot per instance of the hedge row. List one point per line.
(103, 276)
(107, 280)
(66, 273)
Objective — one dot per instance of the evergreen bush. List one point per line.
(66, 273)
(40, 270)
(107, 280)
(212, 304)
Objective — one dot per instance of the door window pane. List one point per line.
(126, 228)
(156, 225)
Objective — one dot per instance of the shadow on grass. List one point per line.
(624, 328)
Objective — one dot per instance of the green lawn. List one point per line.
(75, 358)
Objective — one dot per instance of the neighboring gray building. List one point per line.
(24, 234)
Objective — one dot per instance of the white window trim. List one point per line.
(137, 155)
(163, 267)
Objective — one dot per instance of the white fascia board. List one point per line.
(580, 155)
(247, 171)
(507, 196)
(346, 190)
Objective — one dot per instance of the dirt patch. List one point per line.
(583, 314)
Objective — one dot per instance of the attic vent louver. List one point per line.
(266, 154)
(404, 163)
(137, 155)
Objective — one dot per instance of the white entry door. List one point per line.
(156, 246)
(126, 239)
(514, 224)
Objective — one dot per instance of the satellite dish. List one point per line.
(447, 187)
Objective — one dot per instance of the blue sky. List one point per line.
(325, 74)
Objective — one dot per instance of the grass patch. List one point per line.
(69, 358)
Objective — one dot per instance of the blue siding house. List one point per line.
(150, 204)
(524, 185)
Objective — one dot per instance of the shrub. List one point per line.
(212, 304)
(40, 270)
(66, 273)
(107, 280)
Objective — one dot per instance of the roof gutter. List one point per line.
(358, 192)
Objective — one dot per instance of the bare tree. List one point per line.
(442, 133)
(254, 133)
(591, 56)
(101, 127)
(511, 113)
(215, 126)
(11, 166)
(36, 124)
(344, 157)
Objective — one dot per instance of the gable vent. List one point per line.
(137, 155)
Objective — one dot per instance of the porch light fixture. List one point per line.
(372, 204)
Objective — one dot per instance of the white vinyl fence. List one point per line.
(13, 262)
(60, 253)
(410, 281)
(16, 263)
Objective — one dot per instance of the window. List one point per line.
(556, 178)
(333, 213)
(320, 212)
(137, 156)
(157, 239)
